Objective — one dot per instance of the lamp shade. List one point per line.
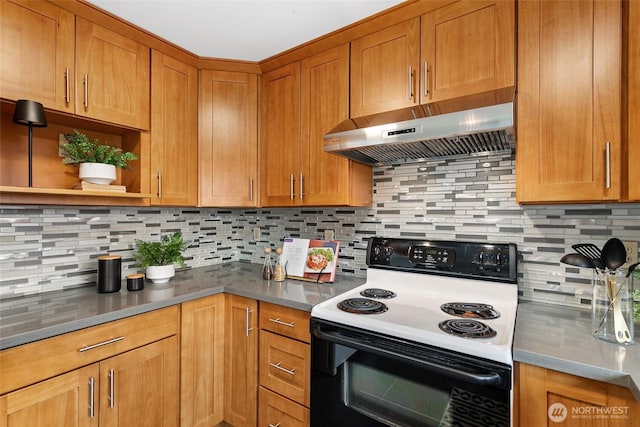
(29, 113)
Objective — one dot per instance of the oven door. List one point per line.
(360, 378)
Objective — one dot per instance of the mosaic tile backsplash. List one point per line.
(45, 248)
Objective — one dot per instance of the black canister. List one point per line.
(135, 282)
(109, 273)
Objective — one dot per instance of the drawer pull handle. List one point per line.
(274, 425)
(100, 344)
(277, 366)
(280, 322)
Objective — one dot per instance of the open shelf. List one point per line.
(34, 195)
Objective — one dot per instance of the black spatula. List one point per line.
(592, 252)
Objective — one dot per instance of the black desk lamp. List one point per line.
(30, 113)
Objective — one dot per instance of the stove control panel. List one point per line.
(439, 256)
(487, 261)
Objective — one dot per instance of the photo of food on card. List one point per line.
(319, 259)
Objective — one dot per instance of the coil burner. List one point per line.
(362, 306)
(470, 310)
(377, 293)
(467, 328)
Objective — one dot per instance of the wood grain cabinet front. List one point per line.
(100, 373)
(275, 410)
(300, 103)
(284, 366)
(73, 65)
(550, 398)
(37, 53)
(569, 101)
(285, 321)
(174, 132)
(241, 361)
(202, 361)
(112, 76)
(458, 56)
(228, 142)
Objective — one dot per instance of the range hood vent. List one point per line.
(467, 133)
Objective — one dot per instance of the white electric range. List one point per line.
(445, 310)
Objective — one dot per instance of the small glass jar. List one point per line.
(267, 267)
(612, 306)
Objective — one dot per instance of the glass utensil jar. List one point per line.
(612, 305)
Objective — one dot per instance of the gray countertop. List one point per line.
(559, 338)
(32, 318)
(546, 335)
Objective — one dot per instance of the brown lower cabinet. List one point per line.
(550, 398)
(115, 374)
(202, 361)
(277, 410)
(284, 367)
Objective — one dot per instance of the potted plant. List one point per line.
(159, 258)
(98, 162)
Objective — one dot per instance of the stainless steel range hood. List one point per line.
(466, 133)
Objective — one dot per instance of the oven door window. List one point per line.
(399, 395)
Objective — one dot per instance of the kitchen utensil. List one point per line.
(631, 268)
(619, 324)
(612, 307)
(614, 254)
(577, 260)
(590, 251)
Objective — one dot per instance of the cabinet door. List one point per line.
(280, 136)
(275, 410)
(174, 130)
(328, 179)
(571, 400)
(202, 362)
(284, 366)
(467, 48)
(112, 76)
(384, 69)
(228, 139)
(141, 387)
(241, 361)
(569, 109)
(68, 400)
(632, 162)
(37, 53)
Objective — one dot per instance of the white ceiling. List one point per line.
(250, 30)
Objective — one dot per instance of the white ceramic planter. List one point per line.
(97, 173)
(160, 273)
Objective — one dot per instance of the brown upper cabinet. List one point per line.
(569, 101)
(37, 51)
(228, 144)
(458, 56)
(300, 103)
(72, 65)
(174, 132)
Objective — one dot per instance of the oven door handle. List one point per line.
(489, 378)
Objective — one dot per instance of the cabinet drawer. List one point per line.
(275, 410)
(285, 321)
(34, 362)
(284, 366)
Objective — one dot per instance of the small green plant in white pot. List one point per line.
(159, 258)
(97, 162)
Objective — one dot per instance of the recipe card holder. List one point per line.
(310, 260)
